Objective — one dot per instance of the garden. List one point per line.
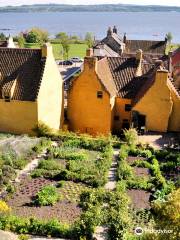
(64, 195)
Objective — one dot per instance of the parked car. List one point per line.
(66, 63)
(76, 59)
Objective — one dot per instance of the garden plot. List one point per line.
(70, 171)
(65, 210)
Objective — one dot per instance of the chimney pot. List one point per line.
(47, 50)
(139, 55)
(115, 29)
(89, 52)
(109, 32)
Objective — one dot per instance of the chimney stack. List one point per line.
(10, 43)
(115, 29)
(90, 64)
(109, 32)
(139, 59)
(47, 50)
(124, 38)
(89, 52)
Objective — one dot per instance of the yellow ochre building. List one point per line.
(113, 93)
(31, 90)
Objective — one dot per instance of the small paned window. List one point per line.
(128, 107)
(99, 94)
(116, 118)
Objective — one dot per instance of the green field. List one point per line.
(76, 50)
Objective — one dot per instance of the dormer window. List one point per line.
(99, 94)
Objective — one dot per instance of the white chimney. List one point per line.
(10, 43)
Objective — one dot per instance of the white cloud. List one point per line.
(144, 2)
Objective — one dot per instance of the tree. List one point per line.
(33, 37)
(62, 36)
(2, 37)
(42, 33)
(21, 41)
(66, 48)
(37, 35)
(169, 37)
(167, 216)
(89, 39)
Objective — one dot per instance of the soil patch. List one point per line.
(141, 172)
(139, 198)
(64, 210)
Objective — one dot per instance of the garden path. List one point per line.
(30, 167)
(102, 231)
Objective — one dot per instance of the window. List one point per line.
(125, 124)
(116, 118)
(99, 94)
(7, 98)
(127, 107)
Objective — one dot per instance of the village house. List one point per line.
(31, 90)
(114, 45)
(113, 93)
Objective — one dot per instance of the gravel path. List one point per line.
(29, 167)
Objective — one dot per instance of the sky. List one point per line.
(140, 2)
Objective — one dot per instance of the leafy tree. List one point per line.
(62, 36)
(167, 216)
(37, 35)
(66, 48)
(169, 37)
(2, 37)
(21, 41)
(89, 39)
(33, 37)
(42, 33)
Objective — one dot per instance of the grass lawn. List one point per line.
(76, 50)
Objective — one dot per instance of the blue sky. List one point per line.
(143, 2)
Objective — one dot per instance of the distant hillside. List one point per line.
(88, 8)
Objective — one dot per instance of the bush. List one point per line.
(140, 183)
(124, 171)
(124, 151)
(119, 219)
(43, 144)
(35, 227)
(4, 208)
(49, 165)
(167, 216)
(48, 195)
(131, 137)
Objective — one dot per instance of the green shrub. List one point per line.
(131, 137)
(140, 183)
(119, 219)
(124, 171)
(142, 163)
(48, 195)
(124, 151)
(49, 165)
(42, 145)
(35, 227)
